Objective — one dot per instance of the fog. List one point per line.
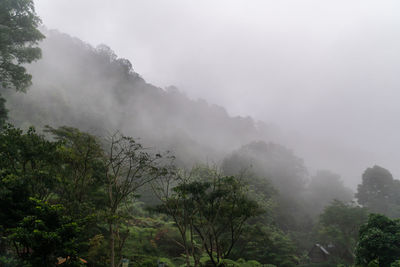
(324, 72)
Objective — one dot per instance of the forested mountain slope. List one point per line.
(91, 88)
(77, 85)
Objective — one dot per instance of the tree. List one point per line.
(177, 204)
(81, 179)
(28, 168)
(82, 172)
(379, 240)
(338, 226)
(266, 244)
(32, 229)
(3, 111)
(271, 161)
(324, 187)
(45, 234)
(128, 167)
(218, 207)
(19, 36)
(379, 192)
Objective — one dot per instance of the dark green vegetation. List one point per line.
(18, 39)
(379, 241)
(86, 197)
(70, 198)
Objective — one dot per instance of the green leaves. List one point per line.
(18, 37)
(31, 158)
(266, 244)
(34, 169)
(81, 176)
(212, 207)
(28, 168)
(45, 234)
(380, 240)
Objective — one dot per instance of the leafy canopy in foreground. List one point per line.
(379, 240)
(218, 208)
(46, 234)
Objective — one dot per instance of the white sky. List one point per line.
(328, 70)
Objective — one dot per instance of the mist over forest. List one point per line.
(100, 167)
(95, 90)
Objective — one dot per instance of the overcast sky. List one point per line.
(328, 70)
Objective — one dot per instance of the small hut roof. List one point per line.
(322, 249)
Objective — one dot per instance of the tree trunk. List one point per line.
(112, 246)
(187, 257)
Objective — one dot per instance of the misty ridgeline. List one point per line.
(100, 168)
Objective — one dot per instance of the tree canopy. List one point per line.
(379, 192)
(379, 240)
(19, 36)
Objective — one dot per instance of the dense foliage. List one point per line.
(72, 198)
(19, 36)
(379, 240)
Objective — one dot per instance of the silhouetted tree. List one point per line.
(379, 192)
